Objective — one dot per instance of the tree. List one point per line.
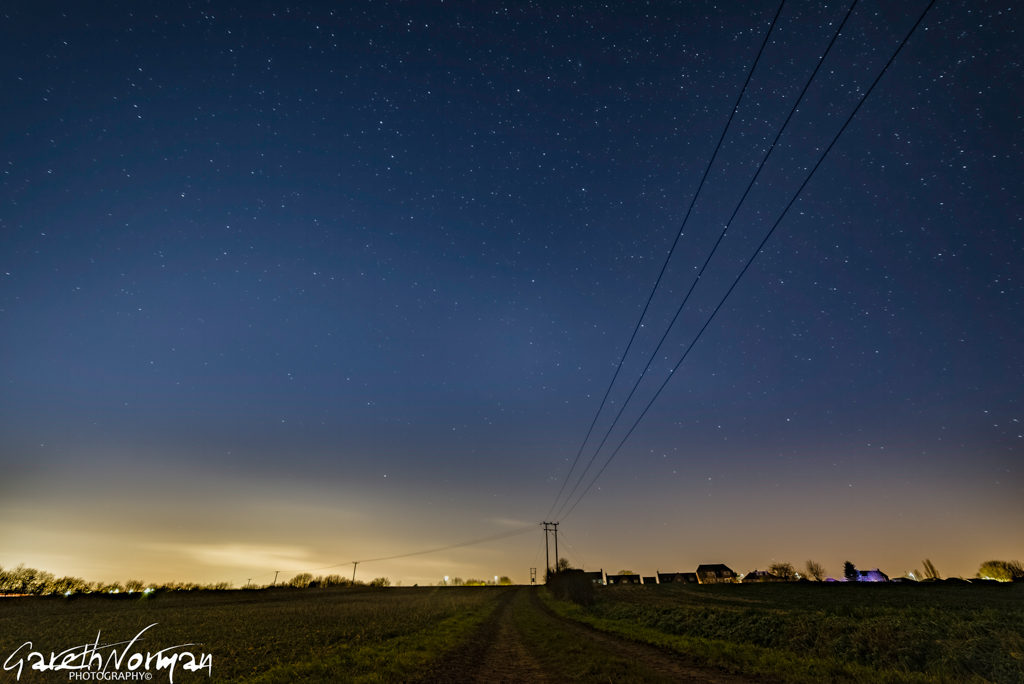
(626, 572)
(22, 580)
(1004, 571)
(301, 580)
(815, 570)
(380, 582)
(562, 565)
(133, 585)
(850, 572)
(929, 570)
(70, 585)
(336, 581)
(505, 580)
(784, 571)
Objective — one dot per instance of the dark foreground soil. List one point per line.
(525, 642)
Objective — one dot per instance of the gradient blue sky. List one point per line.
(283, 287)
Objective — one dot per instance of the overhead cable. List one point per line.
(707, 260)
(746, 266)
(668, 258)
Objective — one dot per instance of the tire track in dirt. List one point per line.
(524, 641)
(651, 663)
(494, 653)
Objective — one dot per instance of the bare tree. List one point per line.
(783, 570)
(301, 580)
(929, 570)
(70, 585)
(336, 581)
(815, 570)
(1004, 571)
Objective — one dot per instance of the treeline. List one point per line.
(30, 581)
(306, 580)
(22, 580)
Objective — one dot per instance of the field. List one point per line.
(736, 633)
(279, 635)
(827, 632)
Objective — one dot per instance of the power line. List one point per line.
(481, 540)
(565, 542)
(494, 537)
(711, 254)
(668, 258)
(757, 251)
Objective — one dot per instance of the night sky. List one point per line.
(284, 287)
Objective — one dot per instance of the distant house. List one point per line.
(875, 575)
(761, 576)
(595, 577)
(623, 579)
(677, 577)
(650, 580)
(715, 573)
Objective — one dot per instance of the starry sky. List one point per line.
(288, 286)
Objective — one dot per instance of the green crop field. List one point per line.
(814, 632)
(786, 632)
(265, 636)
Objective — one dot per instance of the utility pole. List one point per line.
(547, 556)
(556, 547)
(275, 578)
(247, 582)
(550, 527)
(355, 564)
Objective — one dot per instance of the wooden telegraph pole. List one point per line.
(550, 527)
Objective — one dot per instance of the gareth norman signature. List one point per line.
(95, 657)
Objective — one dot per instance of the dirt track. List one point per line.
(525, 642)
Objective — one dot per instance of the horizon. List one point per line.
(343, 580)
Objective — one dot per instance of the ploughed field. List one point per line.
(677, 633)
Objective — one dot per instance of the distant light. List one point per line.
(67, 593)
